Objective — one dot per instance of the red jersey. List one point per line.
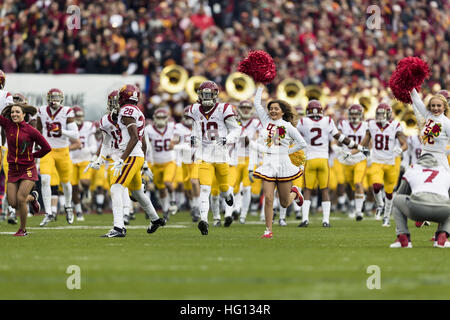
(21, 138)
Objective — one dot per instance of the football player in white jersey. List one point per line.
(354, 168)
(316, 129)
(435, 134)
(423, 196)
(57, 124)
(249, 132)
(80, 159)
(183, 132)
(161, 137)
(215, 126)
(414, 150)
(383, 133)
(109, 149)
(127, 169)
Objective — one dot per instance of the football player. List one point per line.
(127, 168)
(215, 125)
(183, 133)
(80, 159)
(316, 129)
(249, 132)
(383, 134)
(57, 124)
(161, 136)
(354, 168)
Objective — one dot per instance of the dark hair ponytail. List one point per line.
(28, 110)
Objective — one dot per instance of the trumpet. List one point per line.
(173, 78)
(293, 92)
(192, 85)
(239, 86)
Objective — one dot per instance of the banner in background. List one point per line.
(87, 91)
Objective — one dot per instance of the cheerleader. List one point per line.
(435, 133)
(277, 171)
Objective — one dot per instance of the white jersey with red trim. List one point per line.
(383, 141)
(57, 118)
(183, 150)
(131, 111)
(160, 140)
(422, 179)
(356, 134)
(210, 127)
(414, 148)
(316, 134)
(88, 143)
(112, 129)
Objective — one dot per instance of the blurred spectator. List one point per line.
(318, 42)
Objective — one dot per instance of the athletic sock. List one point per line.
(246, 198)
(283, 213)
(388, 207)
(67, 189)
(146, 204)
(78, 209)
(117, 205)
(326, 211)
(305, 210)
(379, 199)
(359, 200)
(204, 202)
(215, 207)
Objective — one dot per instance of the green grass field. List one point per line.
(177, 262)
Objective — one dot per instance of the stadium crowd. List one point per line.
(318, 42)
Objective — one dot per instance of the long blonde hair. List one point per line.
(442, 99)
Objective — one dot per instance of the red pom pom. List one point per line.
(409, 74)
(259, 65)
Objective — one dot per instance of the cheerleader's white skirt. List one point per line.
(277, 168)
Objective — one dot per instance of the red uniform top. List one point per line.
(21, 138)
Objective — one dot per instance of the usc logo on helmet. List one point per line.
(128, 92)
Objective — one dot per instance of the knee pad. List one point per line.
(377, 187)
(389, 196)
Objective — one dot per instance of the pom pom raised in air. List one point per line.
(259, 65)
(409, 74)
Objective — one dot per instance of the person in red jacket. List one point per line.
(22, 174)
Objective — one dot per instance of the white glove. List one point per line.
(398, 150)
(146, 171)
(117, 167)
(95, 164)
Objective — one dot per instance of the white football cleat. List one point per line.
(282, 222)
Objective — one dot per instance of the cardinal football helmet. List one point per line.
(113, 102)
(55, 98)
(245, 109)
(79, 114)
(161, 117)
(128, 93)
(187, 121)
(355, 114)
(2, 79)
(19, 98)
(383, 113)
(314, 110)
(208, 92)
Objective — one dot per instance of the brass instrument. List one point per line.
(367, 101)
(293, 92)
(192, 85)
(398, 109)
(240, 86)
(409, 122)
(172, 79)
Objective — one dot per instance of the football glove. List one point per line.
(221, 141)
(365, 151)
(398, 150)
(95, 164)
(193, 141)
(118, 167)
(146, 171)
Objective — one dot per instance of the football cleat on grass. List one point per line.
(379, 213)
(386, 222)
(326, 224)
(217, 223)
(228, 221)
(402, 241)
(235, 215)
(47, 219)
(69, 214)
(298, 215)
(282, 222)
(303, 224)
(352, 215)
(298, 195)
(21, 233)
(229, 200)
(195, 214)
(126, 219)
(442, 241)
(80, 216)
(115, 233)
(242, 220)
(173, 208)
(359, 216)
(12, 219)
(267, 235)
(166, 215)
(156, 224)
(203, 227)
(35, 203)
